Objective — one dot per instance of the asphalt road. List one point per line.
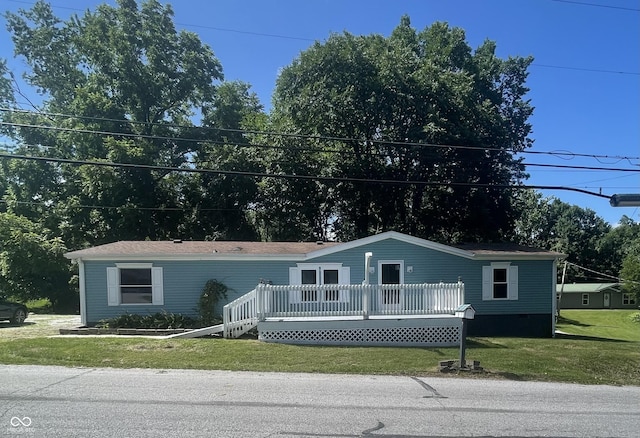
(82, 402)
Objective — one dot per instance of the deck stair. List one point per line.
(240, 315)
(197, 333)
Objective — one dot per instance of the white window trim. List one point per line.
(629, 298)
(588, 298)
(391, 262)
(512, 281)
(295, 278)
(114, 294)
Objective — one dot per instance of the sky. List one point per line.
(584, 82)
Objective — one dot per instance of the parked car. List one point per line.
(16, 313)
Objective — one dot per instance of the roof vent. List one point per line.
(177, 240)
(319, 242)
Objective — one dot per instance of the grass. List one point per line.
(588, 358)
(606, 324)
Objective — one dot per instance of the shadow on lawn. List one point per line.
(563, 320)
(10, 325)
(571, 337)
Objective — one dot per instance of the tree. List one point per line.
(32, 264)
(616, 245)
(551, 224)
(377, 94)
(630, 271)
(126, 72)
(221, 203)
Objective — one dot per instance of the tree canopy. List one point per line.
(137, 136)
(391, 102)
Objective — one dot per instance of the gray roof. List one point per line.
(179, 247)
(292, 250)
(588, 287)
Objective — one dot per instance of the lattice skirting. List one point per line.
(388, 333)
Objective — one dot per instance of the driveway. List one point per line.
(38, 325)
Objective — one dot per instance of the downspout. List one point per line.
(554, 301)
(366, 291)
(367, 266)
(83, 293)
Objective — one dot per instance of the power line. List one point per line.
(560, 166)
(597, 5)
(121, 207)
(296, 177)
(293, 148)
(560, 154)
(290, 37)
(593, 70)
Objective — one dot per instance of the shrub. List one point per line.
(635, 317)
(40, 306)
(159, 320)
(212, 292)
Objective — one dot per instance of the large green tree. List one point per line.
(32, 264)
(577, 232)
(630, 270)
(123, 71)
(221, 203)
(389, 101)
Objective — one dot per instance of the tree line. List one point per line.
(138, 136)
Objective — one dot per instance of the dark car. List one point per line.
(14, 312)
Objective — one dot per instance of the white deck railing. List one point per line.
(240, 315)
(284, 301)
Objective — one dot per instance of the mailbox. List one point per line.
(466, 311)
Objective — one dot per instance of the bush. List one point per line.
(212, 292)
(40, 306)
(635, 317)
(160, 320)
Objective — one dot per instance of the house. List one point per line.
(385, 289)
(594, 296)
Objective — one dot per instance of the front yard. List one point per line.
(600, 347)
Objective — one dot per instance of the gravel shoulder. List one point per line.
(37, 326)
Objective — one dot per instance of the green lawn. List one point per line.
(606, 324)
(610, 356)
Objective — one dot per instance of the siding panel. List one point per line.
(184, 280)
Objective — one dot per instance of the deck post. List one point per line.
(365, 301)
(260, 291)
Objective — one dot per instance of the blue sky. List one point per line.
(585, 80)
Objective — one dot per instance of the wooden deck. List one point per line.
(398, 315)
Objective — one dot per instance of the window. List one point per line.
(628, 299)
(319, 274)
(585, 299)
(500, 281)
(391, 272)
(134, 284)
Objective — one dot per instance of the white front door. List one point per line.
(607, 300)
(390, 272)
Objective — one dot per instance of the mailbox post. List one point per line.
(464, 312)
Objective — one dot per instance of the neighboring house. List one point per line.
(413, 284)
(594, 296)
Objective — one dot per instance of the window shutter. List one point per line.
(513, 283)
(295, 277)
(157, 289)
(345, 278)
(487, 283)
(113, 287)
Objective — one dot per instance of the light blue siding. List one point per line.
(432, 266)
(184, 280)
